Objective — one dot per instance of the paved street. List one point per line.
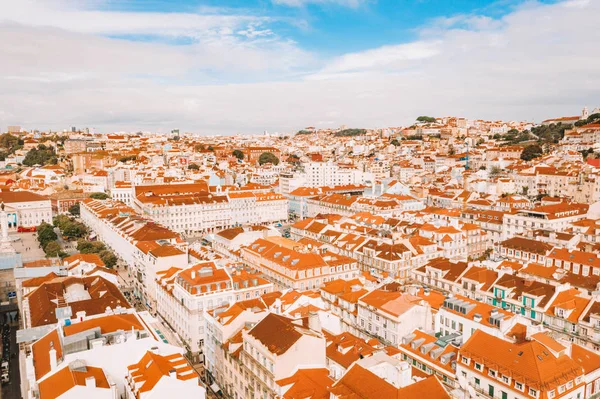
(12, 390)
(27, 245)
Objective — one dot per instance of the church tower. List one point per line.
(585, 113)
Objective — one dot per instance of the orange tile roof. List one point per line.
(152, 367)
(66, 378)
(41, 352)
(307, 384)
(107, 324)
(529, 361)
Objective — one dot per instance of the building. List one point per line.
(289, 264)
(535, 367)
(275, 348)
(26, 209)
(391, 315)
(184, 297)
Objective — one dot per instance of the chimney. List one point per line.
(405, 374)
(313, 321)
(172, 373)
(477, 318)
(90, 382)
(53, 359)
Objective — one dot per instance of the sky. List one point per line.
(233, 66)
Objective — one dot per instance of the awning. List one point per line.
(215, 388)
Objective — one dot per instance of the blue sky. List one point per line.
(233, 66)
(332, 27)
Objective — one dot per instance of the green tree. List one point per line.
(495, 170)
(193, 166)
(46, 233)
(90, 247)
(75, 230)
(426, 119)
(53, 249)
(350, 132)
(108, 257)
(10, 143)
(268, 157)
(395, 142)
(41, 155)
(75, 209)
(238, 154)
(99, 196)
(531, 152)
(128, 158)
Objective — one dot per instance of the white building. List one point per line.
(184, 297)
(26, 209)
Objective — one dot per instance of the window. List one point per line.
(492, 373)
(478, 367)
(533, 392)
(465, 360)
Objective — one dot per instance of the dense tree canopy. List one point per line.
(99, 196)
(531, 152)
(268, 157)
(128, 158)
(238, 154)
(350, 133)
(90, 247)
(46, 233)
(41, 155)
(108, 257)
(75, 209)
(427, 119)
(53, 249)
(193, 166)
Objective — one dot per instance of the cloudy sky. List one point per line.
(234, 66)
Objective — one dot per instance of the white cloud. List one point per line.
(301, 3)
(538, 61)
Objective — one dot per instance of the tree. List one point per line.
(75, 230)
(41, 155)
(108, 257)
(46, 233)
(128, 158)
(238, 154)
(99, 196)
(268, 157)
(525, 190)
(531, 152)
(426, 119)
(395, 143)
(53, 249)
(210, 148)
(193, 166)
(350, 133)
(75, 209)
(495, 170)
(10, 143)
(90, 247)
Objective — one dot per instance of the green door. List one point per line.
(491, 390)
(504, 395)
